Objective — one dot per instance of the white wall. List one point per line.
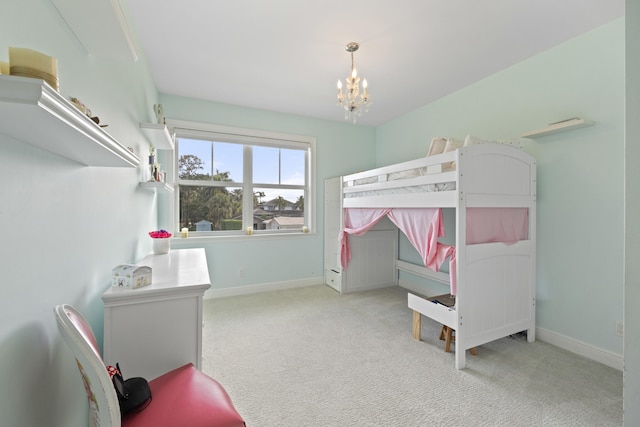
(64, 226)
(580, 173)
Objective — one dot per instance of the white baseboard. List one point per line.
(262, 287)
(605, 357)
(564, 342)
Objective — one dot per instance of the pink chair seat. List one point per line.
(182, 397)
(186, 396)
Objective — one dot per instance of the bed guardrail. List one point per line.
(422, 271)
(420, 167)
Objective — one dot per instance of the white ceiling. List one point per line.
(287, 55)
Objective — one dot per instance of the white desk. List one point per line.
(156, 328)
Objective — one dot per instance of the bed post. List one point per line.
(460, 354)
(461, 253)
(531, 332)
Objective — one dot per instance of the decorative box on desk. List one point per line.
(131, 276)
(154, 329)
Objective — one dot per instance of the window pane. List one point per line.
(227, 161)
(194, 159)
(204, 208)
(278, 166)
(266, 168)
(278, 209)
(292, 169)
(207, 160)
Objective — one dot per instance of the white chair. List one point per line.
(182, 397)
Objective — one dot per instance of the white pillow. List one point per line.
(453, 144)
(437, 146)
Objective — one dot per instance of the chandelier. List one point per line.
(353, 101)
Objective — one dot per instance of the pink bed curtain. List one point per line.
(507, 225)
(423, 227)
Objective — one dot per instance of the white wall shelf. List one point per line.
(158, 135)
(158, 187)
(34, 113)
(562, 126)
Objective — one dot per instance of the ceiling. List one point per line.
(287, 55)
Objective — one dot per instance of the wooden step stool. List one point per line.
(446, 333)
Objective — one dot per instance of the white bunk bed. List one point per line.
(495, 281)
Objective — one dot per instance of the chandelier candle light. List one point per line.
(353, 101)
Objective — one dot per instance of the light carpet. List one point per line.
(312, 357)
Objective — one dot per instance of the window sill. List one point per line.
(178, 241)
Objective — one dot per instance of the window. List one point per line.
(239, 181)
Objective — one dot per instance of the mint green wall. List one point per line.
(632, 225)
(580, 173)
(65, 226)
(340, 148)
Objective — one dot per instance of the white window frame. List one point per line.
(211, 132)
